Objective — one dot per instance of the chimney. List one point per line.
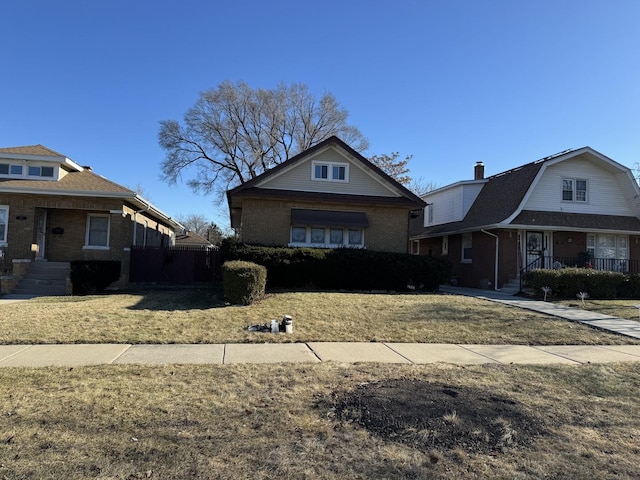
(478, 171)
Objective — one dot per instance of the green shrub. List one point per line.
(568, 282)
(93, 276)
(344, 268)
(630, 288)
(244, 282)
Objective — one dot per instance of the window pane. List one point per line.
(339, 173)
(336, 236)
(355, 237)
(298, 234)
(34, 171)
(47, 171)
(581, 190)
(98, 231)
(606, 246)
(317, 235)
(321, 171)
(16, 169)
(567, 190)
(2, 232)
(4, 169)
(467, 240)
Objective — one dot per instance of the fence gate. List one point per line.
(173, 265)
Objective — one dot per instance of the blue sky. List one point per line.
(450, 82)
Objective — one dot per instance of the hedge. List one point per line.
(93, 276)
(344, 268)
(568, 282)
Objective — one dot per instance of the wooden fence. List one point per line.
(173, 265)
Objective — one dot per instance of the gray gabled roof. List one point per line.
(502, 196)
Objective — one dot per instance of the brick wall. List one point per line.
(70, 214)
(268, 222)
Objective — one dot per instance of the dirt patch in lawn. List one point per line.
(436, 416)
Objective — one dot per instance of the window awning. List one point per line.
(328, 218)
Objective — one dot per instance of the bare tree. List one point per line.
(420, 186)
(397, 169)
(198, 223)
(234, 133)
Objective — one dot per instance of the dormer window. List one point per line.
(10, 170)
(41, 172)
(330, 172)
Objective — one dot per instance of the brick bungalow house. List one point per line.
(328, 196)
(53, 210)
(551, 213)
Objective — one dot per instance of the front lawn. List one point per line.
(323, 421)
(200, 316)
(629, 309)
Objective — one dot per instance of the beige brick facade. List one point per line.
(268, 222)
(66, 228)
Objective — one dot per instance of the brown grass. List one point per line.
(263, 422)
(629, 309)
(199, 316)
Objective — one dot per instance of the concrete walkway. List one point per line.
(621, 326)
(345, 352)
(348, 352)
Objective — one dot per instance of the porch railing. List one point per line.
(623, 265)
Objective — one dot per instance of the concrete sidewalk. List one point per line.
(348, 352)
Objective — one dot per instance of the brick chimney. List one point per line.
(478, 171)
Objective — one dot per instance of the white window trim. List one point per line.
(3, 241)
(13, 175)
(327, 235)
(40, 167)
(86, 236)
(330, 166)
(574, 191)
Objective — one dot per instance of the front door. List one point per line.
(535, 250)
(41, 230)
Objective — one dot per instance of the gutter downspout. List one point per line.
(135, 221)
(495, 280)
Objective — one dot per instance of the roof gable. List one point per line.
(279, 178)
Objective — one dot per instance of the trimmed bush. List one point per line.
(345, 268)
(244, 282)
(93, 276)
(568, 282)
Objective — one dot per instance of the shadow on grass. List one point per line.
(180, 297)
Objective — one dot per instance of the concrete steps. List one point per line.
(512, 287)
(44, 279)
